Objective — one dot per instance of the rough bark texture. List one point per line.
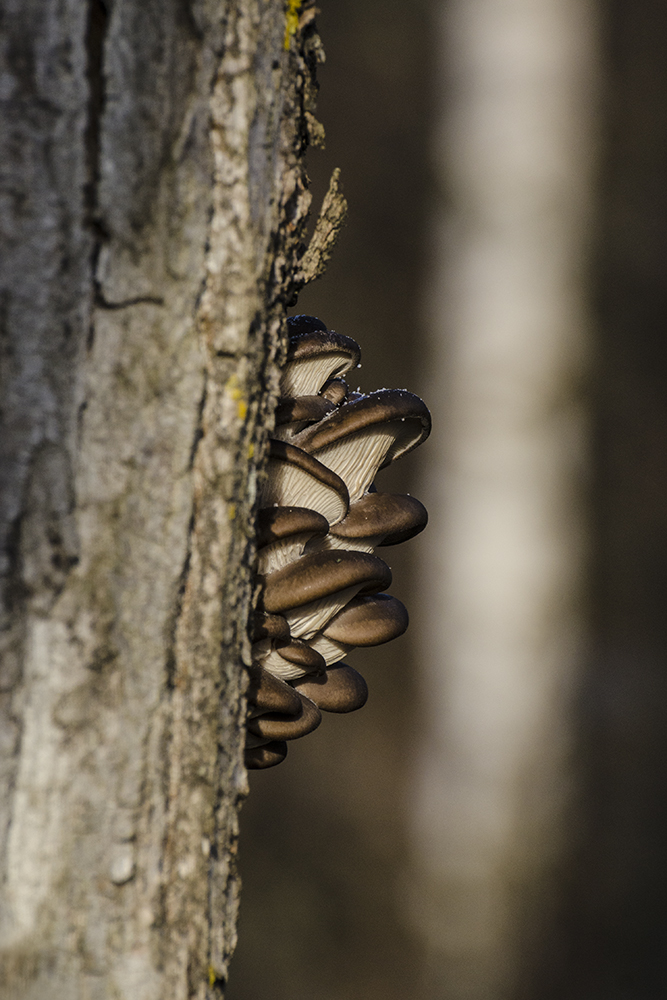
(153, 204)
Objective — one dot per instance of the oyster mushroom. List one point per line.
(335, 390)
(366, 434)
(278, 726)
(312, 589)
(283, 532)
(376, 519)
(289, 660)
(305, 324)
(275, 524)
(292, 414)
(340, 689)
(313, 358)
(321, 517)
(265, 755)
(267, 693)
(320, 574)
(368, 621)
(266, 626)
(297, 479)
(364, 621)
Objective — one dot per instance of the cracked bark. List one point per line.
(154, 200)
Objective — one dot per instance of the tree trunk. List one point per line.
(153, 203)
(502, 631)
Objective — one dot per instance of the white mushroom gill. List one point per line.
(289, 485)
(307, 376)
(357, 459)
(305, 621)
(277, 554)
(332, 541)
(324, 458)
(330, 650)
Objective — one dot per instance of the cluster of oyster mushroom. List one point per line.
(322, 588)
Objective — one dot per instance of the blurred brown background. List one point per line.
(492, 825)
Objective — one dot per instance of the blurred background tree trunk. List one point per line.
(153, 197)
(503, 631)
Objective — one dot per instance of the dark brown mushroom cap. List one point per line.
(270, 694)
(320, 574)
(393, 517)
(276, 523)
(341, 689)
(275, 726)
(335, 390)
(269, 627)
(292, 409)
(267, 755)
(302, 655)
(368, 621)
(305, 324)
(315, 472)
(314, 343)
(407, 413)
(313, 358)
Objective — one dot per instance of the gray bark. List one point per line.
(153, 202)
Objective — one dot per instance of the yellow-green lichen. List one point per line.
(291, 20)
(236, 393)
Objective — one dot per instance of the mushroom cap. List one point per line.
(305, 324)
(302, 655)
(341, 689)
(276, 523)
(269, 658)
(314, 343)
(320, 574)
(335, 390)
(313, 357)
(267, 755)
(269, 627)
(293, 409)
(296, 475)
(274, 726)
(408, 415)
(368, 621)
(366, 434)
(267, 693)
(393, 517)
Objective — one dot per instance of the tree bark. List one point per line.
(154, 199)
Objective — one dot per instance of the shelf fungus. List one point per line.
(320, 519)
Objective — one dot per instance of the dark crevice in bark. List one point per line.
(199, 429)
(98, 18)
(96, 30)
(228, 355)
(15, 591)
(170, 660)
(186, 17)
(151, 300)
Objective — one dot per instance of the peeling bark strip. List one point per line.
(154, 199)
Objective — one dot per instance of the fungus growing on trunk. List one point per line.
(320, 519)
